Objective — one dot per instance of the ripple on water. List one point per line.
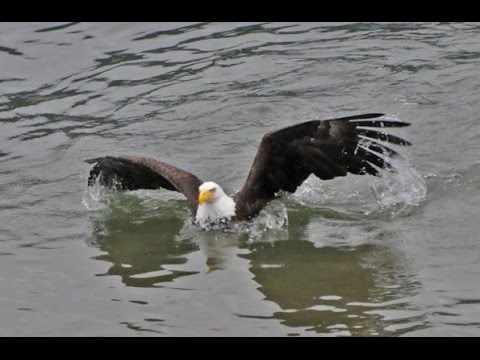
(201, 95)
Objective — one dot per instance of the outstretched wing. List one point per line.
(136, 172)
(326, 148)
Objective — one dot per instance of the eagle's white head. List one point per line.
(214, 206)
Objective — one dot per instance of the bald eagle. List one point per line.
(284, 160)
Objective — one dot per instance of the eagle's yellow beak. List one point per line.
(205, 196)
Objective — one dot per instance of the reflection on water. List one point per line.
(139, 245)
(333, 290)
(341, 290)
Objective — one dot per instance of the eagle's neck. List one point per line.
(218, 211)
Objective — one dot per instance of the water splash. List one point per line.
(272, 220)
(398, 193)
(273, 217)
(96, 197)
(392, 195)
